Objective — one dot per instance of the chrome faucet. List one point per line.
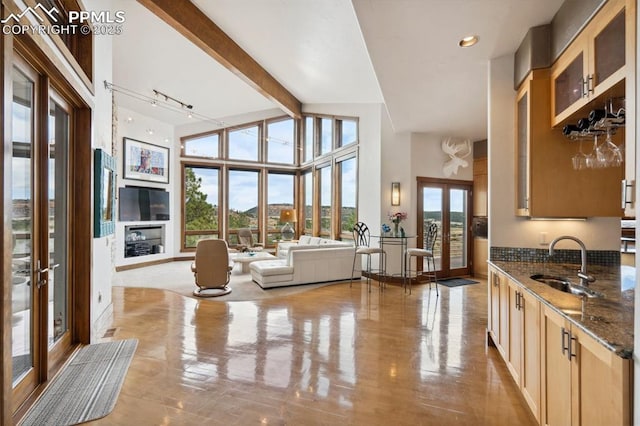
(585, 278)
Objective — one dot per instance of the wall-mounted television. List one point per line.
(142, 204)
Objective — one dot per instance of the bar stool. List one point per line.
(428, 257)
(361, 240)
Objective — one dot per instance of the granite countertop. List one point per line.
(608, 319)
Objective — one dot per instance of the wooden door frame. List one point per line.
(446, 184)
(80, 244)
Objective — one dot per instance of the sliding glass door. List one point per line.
(447, 203)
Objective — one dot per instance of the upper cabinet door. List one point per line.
(568, 87)
(608, 50)
(593, 67)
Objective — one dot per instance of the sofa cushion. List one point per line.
(271, 267)
(304, 239)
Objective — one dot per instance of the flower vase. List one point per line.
(396, 232)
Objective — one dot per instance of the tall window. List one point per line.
(280, 189)
(281, 141)
(207, 146)
(253, 171)
(348, 196)
(243, 201)
(243, 143)
(347, 132)
(201, 204)
(325, 200)
(326, 135)
(308, 138)
(308, 202)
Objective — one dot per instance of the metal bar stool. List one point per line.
(428, 257)
(361, 240)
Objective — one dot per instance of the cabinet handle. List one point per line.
(521, 299)
(583, 82)
(627, 192)
(572, 340)
(565, 347)
(590, 80)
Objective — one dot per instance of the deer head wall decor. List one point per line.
(457, 152)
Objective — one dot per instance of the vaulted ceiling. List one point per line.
(403, 53)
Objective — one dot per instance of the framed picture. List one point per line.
(104, 181)
(145, 161)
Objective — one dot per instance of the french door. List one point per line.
(40, 296)
(448, 204)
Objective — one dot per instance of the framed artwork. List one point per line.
(145, 161)
(104, 190)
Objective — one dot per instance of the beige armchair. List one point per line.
(246, 242)
(211, 268)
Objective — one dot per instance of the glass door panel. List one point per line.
(458, 236)
(432, 213)
(58, 231)
(568, 85)
(22, 225)
(609, 45)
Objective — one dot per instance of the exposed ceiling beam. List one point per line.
(189, 21)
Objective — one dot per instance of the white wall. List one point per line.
(136, 126)
(505, 229)
(103, 256)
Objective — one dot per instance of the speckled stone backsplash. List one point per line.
(533, 255)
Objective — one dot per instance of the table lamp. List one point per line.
(287, 216)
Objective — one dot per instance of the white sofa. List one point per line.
(308, 242)
(306, 264)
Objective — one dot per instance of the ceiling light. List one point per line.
(154, 104)
(468, 41)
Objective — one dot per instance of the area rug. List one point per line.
(177, 277)
(86, 388)
(456, 282)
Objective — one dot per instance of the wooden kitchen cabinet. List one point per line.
(480, 256)
(583, 383)
(524, 344)
(480, 187)
(595, 63)
(546, 183)
(530, 360)
(494, 285)
(514, 326)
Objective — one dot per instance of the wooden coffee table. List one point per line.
(246, 258)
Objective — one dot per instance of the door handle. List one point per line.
(40, 271)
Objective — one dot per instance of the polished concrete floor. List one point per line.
(330, 356)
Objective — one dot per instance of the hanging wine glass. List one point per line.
(580, 159)
(612, 152)
(592, 159)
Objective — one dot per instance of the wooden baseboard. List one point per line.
(152, 262)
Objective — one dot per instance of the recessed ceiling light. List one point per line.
(468, 41)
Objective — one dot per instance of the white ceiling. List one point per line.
(400, 52)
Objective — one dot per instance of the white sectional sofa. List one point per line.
(310, 260)
(306, 242)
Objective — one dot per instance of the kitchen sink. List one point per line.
(563, 284)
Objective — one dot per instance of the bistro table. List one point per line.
(401, 241)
